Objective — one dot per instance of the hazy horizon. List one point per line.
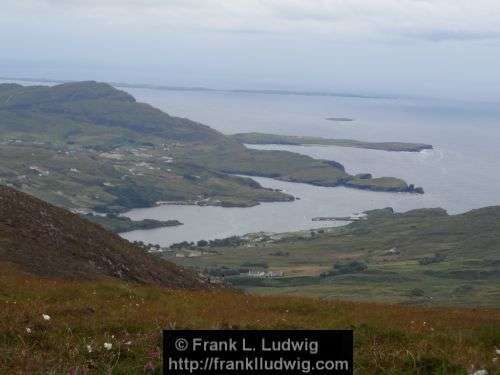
(429, 48)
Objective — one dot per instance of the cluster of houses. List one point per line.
(40, 171)
(265, 274)
(253, 274)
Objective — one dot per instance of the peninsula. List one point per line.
(121, 224)
(265, 138)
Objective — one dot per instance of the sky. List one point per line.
(435, 48)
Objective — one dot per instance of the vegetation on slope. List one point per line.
(85, 315)
(263, 138)
(121, 179)
(86, 104)
(424, 257)
(49, 241)
(88, 145)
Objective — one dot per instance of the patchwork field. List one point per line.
(423, 257)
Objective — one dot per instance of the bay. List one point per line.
(461, 172)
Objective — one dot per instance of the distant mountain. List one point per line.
(48, 241)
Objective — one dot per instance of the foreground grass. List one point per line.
(85, 315)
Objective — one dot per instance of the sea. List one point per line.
(461, 173)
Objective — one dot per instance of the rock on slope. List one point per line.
(49, 241)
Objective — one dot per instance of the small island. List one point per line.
(121, 224)
(264, 138)
(339, 119)
(335, 218)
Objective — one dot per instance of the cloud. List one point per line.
(430, 20)
(433, 20)
(454, 35)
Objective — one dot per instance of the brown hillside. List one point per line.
(49, 241)
(389, 339)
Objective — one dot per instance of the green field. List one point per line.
(423, 257)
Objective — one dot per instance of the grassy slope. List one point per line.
(468, 276)
(49, 241)
(80, 122)
(388, 339)
(263, 138)
(79, 178)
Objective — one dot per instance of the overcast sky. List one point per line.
(447, 48)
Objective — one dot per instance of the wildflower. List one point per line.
(28, 330)
(46, 317)
(480, 372)
(128, 343)
(154, 354)
(497, 351)
(108, 345)
(89, 348)
(149, 368)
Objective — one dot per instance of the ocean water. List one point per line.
(461, 173)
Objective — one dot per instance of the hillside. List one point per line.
(423, 257)
(389, 339)
(48, 241)
(89, 146)
(85, 104)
